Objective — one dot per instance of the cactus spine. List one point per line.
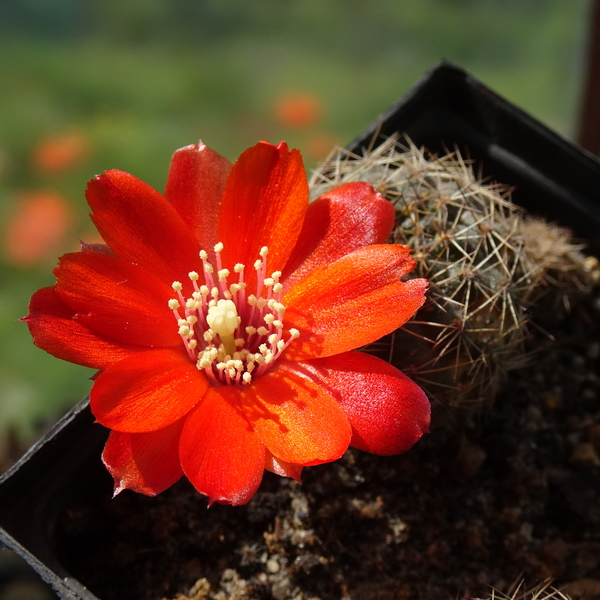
(488, 264)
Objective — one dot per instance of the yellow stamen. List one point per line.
(224, 331)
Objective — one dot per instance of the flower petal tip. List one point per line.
(95, 248)
(226, 501)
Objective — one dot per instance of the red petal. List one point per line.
(220, 454)
(354, 301)
(349, 217)
(295, 417)
(53, 329)
(147, 391)
(140, 226)
(195, 186)
(118, 299)
(147, 463)
(282, 468)
(264, 204)
(388, 411)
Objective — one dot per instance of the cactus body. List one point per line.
(488, 264)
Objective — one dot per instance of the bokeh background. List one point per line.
(97, 84)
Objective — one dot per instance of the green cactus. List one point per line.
(488, 263)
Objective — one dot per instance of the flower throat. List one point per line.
(230, 336)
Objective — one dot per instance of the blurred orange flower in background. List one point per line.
(61, 152)
(298, 109)
(36, 227)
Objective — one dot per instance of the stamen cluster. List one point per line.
(232, 337)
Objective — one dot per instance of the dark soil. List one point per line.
(483, 500)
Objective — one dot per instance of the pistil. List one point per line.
(224, 320)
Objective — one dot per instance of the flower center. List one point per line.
(230, 336)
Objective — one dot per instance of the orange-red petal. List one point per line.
(195, 186)
(118, 299)
(219, 452)
(388, 411)
(147, 463)
(141, 226)
(354, 301)
(147, 391)
(348, 217)
(282, 468)
(53, 329)
(264, 204)
(295, 417)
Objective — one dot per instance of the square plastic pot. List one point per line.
(552, 176)
(449, 107)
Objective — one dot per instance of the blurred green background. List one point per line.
(97, 84)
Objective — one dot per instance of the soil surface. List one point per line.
(483, 500)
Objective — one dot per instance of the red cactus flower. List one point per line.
(223, 317)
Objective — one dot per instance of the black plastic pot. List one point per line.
(53, 475)
(552, 176)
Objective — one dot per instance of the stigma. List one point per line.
(231, 336)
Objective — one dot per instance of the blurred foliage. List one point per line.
(135, 80)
